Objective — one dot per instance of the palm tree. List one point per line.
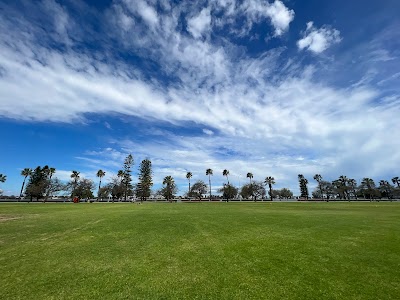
(3, 178)
(51, 172)
(396, 180)
(250, 176)
(188, 176)
(369, 184)
(209, 172)
(226, 173)
(343, 181)
(169, 182)
(25, 172)
(353, 185)
(75, 177)
(318, 178)
(100, 173)
(120, 174)
(270, 181)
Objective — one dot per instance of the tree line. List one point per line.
(42, 185)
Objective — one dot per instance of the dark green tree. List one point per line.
(318, 178)
(127, 176)
(303, 186)
(286, 193)
(38, 183)
(143, 188)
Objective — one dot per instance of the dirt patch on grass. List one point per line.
(5, 218)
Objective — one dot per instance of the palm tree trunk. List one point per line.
(22, 188)
(209, 182)
(98, 192)
(270, 191)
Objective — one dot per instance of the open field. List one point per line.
(200, 251)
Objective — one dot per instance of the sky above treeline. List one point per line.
(275, 88)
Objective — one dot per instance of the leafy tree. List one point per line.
(75, 178)
(143, 188)
(127, 177)
(209, 172)
(25, 172)
(169, 188)
(226, 173)
(303, 186)
(396, 180)
(115, 187)
(100, 174)
(188, 176)
(38, 183)
(50, 172)
(255, 190)
(228, 191)
(318, 178)
(198, 189)
(270, 181)
(286, 193)
(84, 188)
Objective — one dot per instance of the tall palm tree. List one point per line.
(25, 172)
(75, 177)
(343, 181)
(100, 173)
(209, 172)
(318, 178)
(353, 185)
(188, 176)
(396, 180)
(270, 181)
(51, 172)
(226, 173)
(250, 176)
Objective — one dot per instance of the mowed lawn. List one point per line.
(200, 251)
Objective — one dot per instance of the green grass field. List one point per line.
(200, 251)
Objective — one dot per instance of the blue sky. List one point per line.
(275, 88)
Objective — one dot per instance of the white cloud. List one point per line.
(318, 40)
(144, 10)
(200, 24)
(280, 16)
(208, 131)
